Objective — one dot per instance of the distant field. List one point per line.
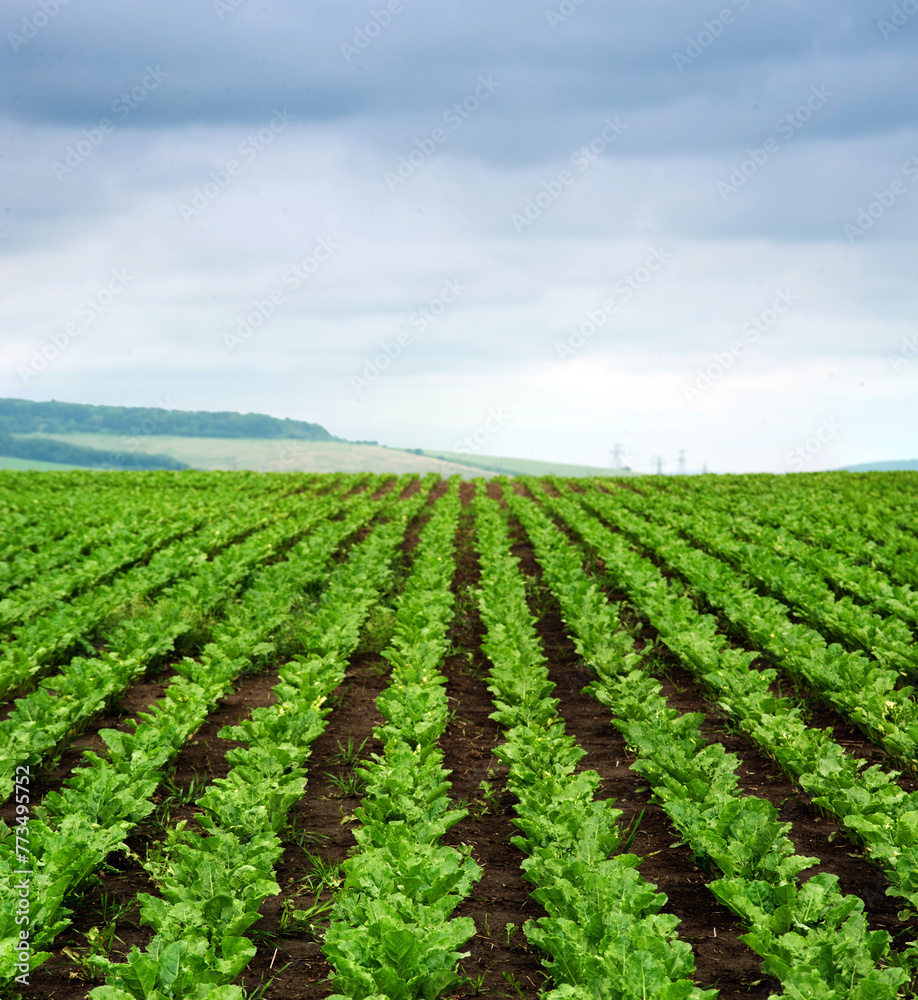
(25, 464)
(270, 455)
(278, 455)
(527, 467)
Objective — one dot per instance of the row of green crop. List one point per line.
(757, 524)
(72, 831)
(798, 582)
(604, 935)
(66, 702)
(391, 937)
(810, 936)
(876, 811)
(151, 529)
(862, 689)
(39, 644)
(213, 882)
(824, 512)
(52, 507)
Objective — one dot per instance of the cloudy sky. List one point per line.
(550, 228)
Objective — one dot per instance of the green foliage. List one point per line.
(21, 416)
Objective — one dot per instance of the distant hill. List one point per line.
(22, 416)
(904, 465)
(45, 449)
(268, 454)
(523, 466)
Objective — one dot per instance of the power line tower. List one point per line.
(615, 456)
(659, 463)
(682, 461)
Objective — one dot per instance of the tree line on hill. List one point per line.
(22, 416)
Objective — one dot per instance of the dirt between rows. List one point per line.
(289, 964)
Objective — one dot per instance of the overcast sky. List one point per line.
(544, 229)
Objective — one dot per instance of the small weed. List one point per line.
(474, 987)
(109, 910)
(177, 796)
(92, 958)
(508, 934)
(515, 984)
(296, 921)
(631, 832)
(323, 872)
(487, 803)
(302, 837)
(337, 698)
(348, 754)
(346, 786)
(258, 994)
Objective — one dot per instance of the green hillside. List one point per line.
(266, 455)
(41, 448)
(30, 465)
(906, 465)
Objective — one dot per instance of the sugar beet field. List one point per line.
(384, 738)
